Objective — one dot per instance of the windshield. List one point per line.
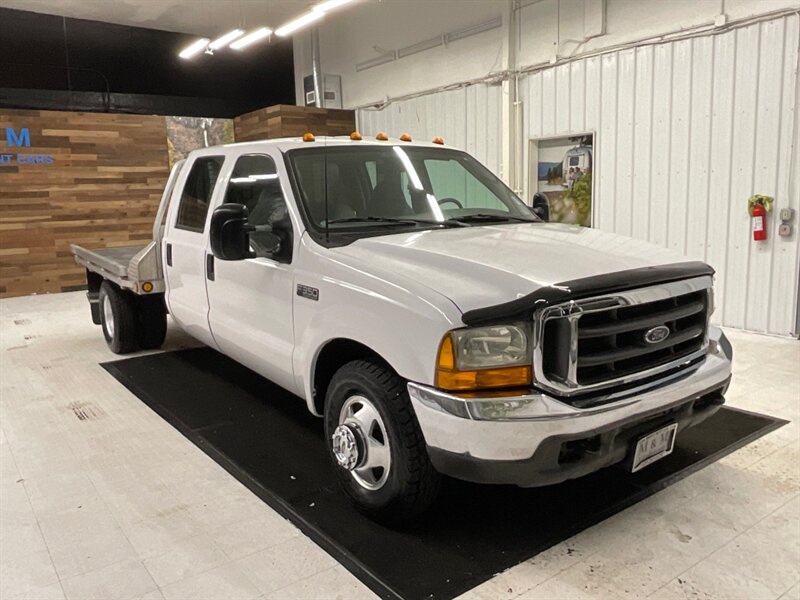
(390, 186)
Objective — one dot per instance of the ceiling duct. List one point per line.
(473, 30)
(420, 46)
(440, 40)
(378, 60)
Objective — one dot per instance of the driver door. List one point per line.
(250, 300)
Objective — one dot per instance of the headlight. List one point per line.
(487, 347)
(485, 357)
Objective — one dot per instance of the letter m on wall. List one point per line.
(23, 138)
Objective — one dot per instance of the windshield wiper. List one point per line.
(398, 221)
(487, 218)
(389, 220)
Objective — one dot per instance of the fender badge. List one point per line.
(305, 291)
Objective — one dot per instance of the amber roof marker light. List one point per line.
(382, 137)
(308, 137)
(438, 140)
(405, 138)
(355, 136)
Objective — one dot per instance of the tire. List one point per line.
(117, 318)
(408, 484)
(151, 326)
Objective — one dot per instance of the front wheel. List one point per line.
(376, 445)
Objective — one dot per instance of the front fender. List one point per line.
(402, 322)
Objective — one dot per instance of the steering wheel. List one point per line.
(451, 200)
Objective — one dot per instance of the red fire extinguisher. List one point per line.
(759, 206)
(759, 216)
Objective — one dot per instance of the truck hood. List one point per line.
(476, 267)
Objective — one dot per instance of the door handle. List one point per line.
(169, 255)
(210, 267)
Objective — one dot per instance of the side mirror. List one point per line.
(230, 232)
(541, 206)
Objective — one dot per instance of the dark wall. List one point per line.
(50, 62)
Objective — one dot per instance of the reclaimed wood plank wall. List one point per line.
(101, 190)
(284, 120)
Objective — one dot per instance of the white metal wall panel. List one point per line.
(685, 132)
(468, 118)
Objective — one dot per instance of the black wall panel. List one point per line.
(73, 64)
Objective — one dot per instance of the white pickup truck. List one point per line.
(423, 309)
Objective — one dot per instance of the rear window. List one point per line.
(197, 193)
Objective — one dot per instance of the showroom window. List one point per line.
(197, 193)
(255, 183)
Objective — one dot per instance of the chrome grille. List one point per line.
(600, 342)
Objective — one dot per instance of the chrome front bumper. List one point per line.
(513, 428)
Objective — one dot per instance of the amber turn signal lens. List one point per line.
(308, 137)
(355, 136)
(382, 137)
(438, 140)
(448, 377)
(405, 138)
(147, 286)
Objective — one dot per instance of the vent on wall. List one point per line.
(440, 40)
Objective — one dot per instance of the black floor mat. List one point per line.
(265, 438)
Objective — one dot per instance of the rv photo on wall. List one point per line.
(564, 174)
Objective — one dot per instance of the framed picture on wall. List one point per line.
(562, 169)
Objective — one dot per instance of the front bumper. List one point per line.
(536, 439)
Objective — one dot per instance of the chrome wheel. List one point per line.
(108, 317)
(361, 444)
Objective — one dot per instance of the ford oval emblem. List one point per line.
(656, 334)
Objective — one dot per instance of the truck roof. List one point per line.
(289, 143)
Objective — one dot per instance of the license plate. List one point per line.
(654, 446)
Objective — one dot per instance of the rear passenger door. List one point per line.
(184, 248)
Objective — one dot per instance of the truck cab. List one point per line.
(417, 305)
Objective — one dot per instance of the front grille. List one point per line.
(591, 344)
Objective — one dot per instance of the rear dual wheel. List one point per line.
(129, 322)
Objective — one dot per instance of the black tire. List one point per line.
(151, 327)
(121, 334)
(412, 484)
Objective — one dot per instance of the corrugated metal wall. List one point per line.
(685, 132)
(468, 118)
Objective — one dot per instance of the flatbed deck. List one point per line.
(111, 260)
(128, 266)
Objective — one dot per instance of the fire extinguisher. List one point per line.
(758, 207)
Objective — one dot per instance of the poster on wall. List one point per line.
(564, 179)
(185, 134)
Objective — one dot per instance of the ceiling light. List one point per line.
(329, 5)
(194, 48)
(226, 39)
(258, 34)
(299, 22)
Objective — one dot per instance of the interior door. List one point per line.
(250, 301)
(184, 248)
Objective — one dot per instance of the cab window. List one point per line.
(256, 184)
(197, 192)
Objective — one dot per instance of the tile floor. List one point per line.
(100, 498)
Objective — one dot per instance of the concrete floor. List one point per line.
(100, 498)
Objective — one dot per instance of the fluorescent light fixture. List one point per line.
(226, 39)
(194, 48)
(299, 22)
(265, 176)
(329, 5)
(258, 34)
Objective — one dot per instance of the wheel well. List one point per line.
(334, 355)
